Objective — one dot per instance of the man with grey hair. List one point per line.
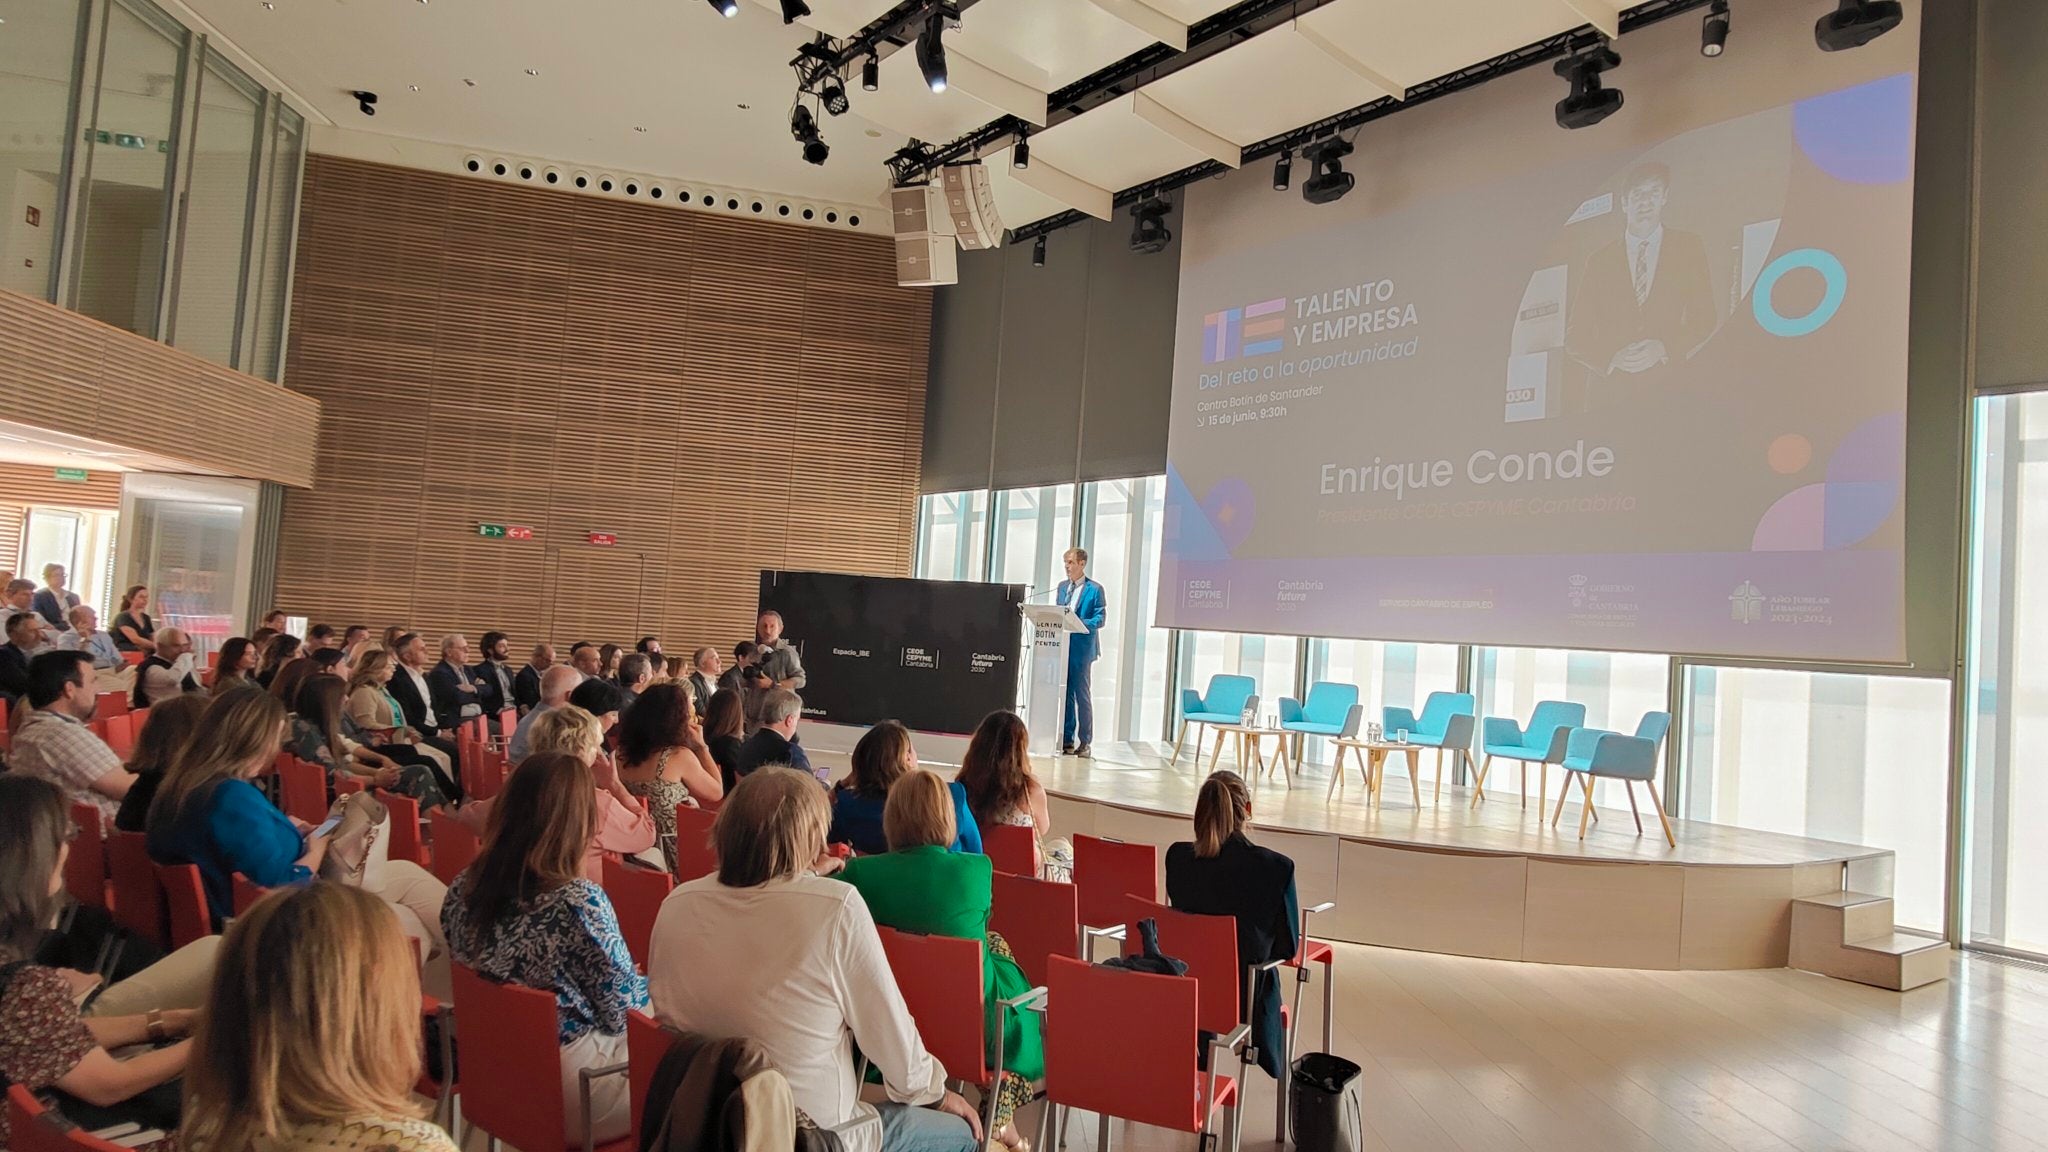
(779, 661)
(167, 671)
(454, 686)
(85, 636)
(775, 742)
(555, 686)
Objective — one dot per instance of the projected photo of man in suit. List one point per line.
(1643, 302)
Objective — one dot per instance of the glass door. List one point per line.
(191, 541)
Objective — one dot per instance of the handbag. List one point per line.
(361, 841)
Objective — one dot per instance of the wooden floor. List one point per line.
(1140, 776)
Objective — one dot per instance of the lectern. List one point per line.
(1051, 624)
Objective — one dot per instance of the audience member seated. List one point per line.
(525, 912)
(636, 672)
(321, 637)
(922, 883)
(167, 671)
(1222, 873)
(134, 629)
(556, 686)
(745, 655)
(319, 736)
(659, 668)
(765, 949)
(21, 596)
(494, 674)
(996, 771)
(600, 698)
(725, 726)
(311, 1039)
(391, 638)
(354, 635)
(663, 758)
(704, 678)
(456, 695)
(274, 620)
(378, 721)
(85, 636)
(279, 649)
(53, 742)
(237, 662)
(608, 657)
(170, 729)
(54, 603)
(45, 1042)
(24, 636)
(648, 646)
(623, 825)
(415, 696)
(880, 759)
(586, 658)
(331, 662)
(290, 678)
(207, 813)
(775, 741)
(526, 685)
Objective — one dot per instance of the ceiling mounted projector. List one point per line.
(1330, 181)
(1149, 233)
(1856, 23)
(1589, 103)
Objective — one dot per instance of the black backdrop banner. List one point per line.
(936, 654)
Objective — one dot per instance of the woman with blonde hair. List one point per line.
(921, 884)
(1222, 873)
(524, 913)
(767, 948)
(311, 1041)
(623, 823)
(372, 709)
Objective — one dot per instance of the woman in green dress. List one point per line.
(921, 885)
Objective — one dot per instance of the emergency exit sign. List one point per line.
(72, 475)
(603, 539)
(494, 531)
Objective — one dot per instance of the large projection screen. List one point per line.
(1640, 386)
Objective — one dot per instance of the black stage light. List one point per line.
(1020, 152)
(804, 127)
(931, 52)
(832, 94)
(1855, 23)
(794, 10)
(726, 8)
(1283, 170)
(1714, 30)
(1589, 103)
(815, 151)
(1330, 181)
(1038, 252)
(871, 73)
(1149, 232)
(366, 102)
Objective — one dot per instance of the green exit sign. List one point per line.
(72, 475)
(494, 531)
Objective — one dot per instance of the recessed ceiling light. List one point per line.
(638, 128)
(268, 6)
(414, 87)
(533, 71)
(744, 107)
(468, 81)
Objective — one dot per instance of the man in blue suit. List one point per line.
(1085, 597)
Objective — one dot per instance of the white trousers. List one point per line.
(611, 1102)
(416, 895)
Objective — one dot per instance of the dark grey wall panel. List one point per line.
(1038, 389)
(2012, 270)
(1125, 398)
(959, 415)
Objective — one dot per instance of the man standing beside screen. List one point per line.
(1085, 597)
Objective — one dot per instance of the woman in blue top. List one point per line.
(881, 758)
(523, 913)
(207, 813)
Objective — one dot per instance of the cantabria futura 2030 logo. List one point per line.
(1254, 330)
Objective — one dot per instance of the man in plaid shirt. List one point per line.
(54, 743)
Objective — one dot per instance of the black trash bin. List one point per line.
(1323, 1107)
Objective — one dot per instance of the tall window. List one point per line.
(1034, 528)
(1617, 688)
(952, 535)
(1121, 527)
(271, 256)
(37, 56)
(1402, 675)
(1860, 759)
(213, 245)
(2007, 677)
(1268, 660)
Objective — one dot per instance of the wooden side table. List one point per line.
(1371, 756)
(1252, 737)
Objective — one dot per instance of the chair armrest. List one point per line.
(1560, 742)
(1033, 999)
(1354, 719)
(1499, 730)
(1317, 909)
(1190, 701)
(1251, 702)
(1458, 732)
(583, 1078)
(1580, 742)
(1393, 718)
(1114, 932)
(1290, 709)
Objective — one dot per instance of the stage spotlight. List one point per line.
(1714, 30)
(794, 10)
(832, 94)
(804, 127)
(726, 8)
(1149, 232)
(1020, 152)
(1038, 252)
(1330, 181)
(1589, 103)
(931, 52)
(1283, 170)
(1855, 23)
(871, 73)
(366, 102)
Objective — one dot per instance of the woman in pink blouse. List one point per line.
(623, 823)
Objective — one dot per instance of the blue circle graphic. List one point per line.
(1831, 271)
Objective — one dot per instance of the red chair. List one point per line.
(120, 734)
(1038, 919)
(1120, 1043)
(85, 870)
(131, 658)
(647, 1041)
(34, 1128)
(184, 903)
(138, 896)
(302, 787)
(507, 1038)
(347, 784)
(246, 893)
(405, 827)
(138, 718)
(213, 660)
(694, 854)
(454, 844)
(940, 977)
(1012, 848)
(636, 894)
(508, 719)
(108, 704)
(1106, 871)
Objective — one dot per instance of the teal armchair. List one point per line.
(1331, 709)
(1542, 743)
(1223, 703)
(1446, 723)
(1591, 752)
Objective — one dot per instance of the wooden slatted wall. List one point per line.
(725, 395)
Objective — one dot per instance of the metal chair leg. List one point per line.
(1102, 1133)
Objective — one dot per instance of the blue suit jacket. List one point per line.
(1093, 609)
